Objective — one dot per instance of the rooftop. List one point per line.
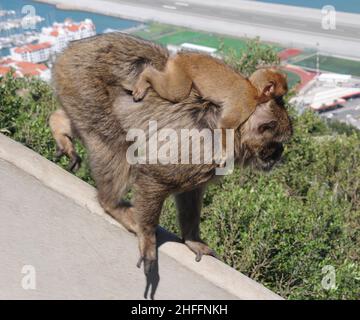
(33, 47)
(21, 68)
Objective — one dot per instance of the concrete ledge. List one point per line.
(69, 186)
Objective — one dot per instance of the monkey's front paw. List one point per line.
(75, 163)
(200, 248)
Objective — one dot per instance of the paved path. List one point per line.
(50, 220)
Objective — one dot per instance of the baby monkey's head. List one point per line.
(271, 83)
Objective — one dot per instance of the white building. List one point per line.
(198, 48)
(334, 79)
(193, 47)
(53, 40)
(323, 98)
(23, 68)
(60, 34)
(34, 53)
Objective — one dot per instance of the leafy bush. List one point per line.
(283, 227)
(25, 105)
(279, 228)
(255, 54)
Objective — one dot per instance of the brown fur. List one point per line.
(63, 134)
(92, 78)
(216, 82)
(262, 77)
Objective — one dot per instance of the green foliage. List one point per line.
(283, 227)
(25, 105)
(280, 228)
(255, 54)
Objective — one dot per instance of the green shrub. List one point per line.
(283, 227)
(25, 105)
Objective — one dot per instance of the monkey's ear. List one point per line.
(269, 89)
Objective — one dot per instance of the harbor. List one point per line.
(32, 34)
(14, 25)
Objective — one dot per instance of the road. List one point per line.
(270, 20)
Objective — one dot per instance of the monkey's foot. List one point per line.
(59, 153)
(200, 248)
(148, 264)
(147, 246)
(75, 160)
(75, 163)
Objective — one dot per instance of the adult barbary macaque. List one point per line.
(93, 79)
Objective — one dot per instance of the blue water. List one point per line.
(352, 6)
(51, 14)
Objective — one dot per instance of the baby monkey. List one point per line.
(215, 81)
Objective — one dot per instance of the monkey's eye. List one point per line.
(267, 126)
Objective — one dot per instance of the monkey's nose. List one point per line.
(278, 152)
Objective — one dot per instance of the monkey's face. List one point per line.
(263, 135)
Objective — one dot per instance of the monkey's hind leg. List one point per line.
(140, 218)
(148, 203)
(63, 134)
(189, 206)
(171, 84)
(112, 175)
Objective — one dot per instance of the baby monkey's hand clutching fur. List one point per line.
(215, 81)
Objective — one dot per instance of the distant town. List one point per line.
(32, 53)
